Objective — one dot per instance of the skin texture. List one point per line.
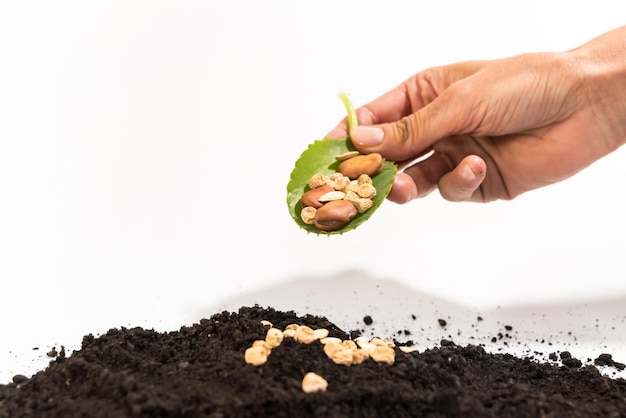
(499, 128)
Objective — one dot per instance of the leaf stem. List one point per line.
(352, 119)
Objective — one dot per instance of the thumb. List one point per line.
(413, 134)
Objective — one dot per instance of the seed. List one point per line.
(349, 344)
(360, 203)
(312, 197)
(255, 355)
(264, 345)
(274, 337)
(266, 323)
(308, 215)
(364, 179)
(407, 350)
(304, 335)
(317, 180)
(370, 164)
(320, 333)
(292, 326)
(359, 356)
(343, 357)
(361, 340)
(378, 341)
(366, 190)
(342, 183)
(330, 340)
(383, 354)
(313, 382)
(332, 347)
(334, 215)
(368, 347)
(289, 333)
(330, 196)
(347, 155)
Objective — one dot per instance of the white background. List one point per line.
(145, 148)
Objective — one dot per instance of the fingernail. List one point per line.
(367, 136)
(467, 173)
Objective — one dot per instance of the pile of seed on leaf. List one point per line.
(201, 371)
(333, 200)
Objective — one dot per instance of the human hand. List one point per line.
(499, 128)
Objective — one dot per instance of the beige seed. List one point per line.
(320, 333)
(313, 382)
(383, 354)
(274, 337)
(343, 357)
(332, 347)
(329, 340)
(266, 323)
(264, 345)
(342, 183)
(292, 326)
(364, 179)
(362, 204)
(255, 356)
(366, 190)
(289, 333)
(308, 215)
(346, 155)
(378, 341)
(349, 344)
(317, 180)
(361, 340)
(336, 176)
(359, 356)
(408, 350)
(368, 347)
(330, 196)
(304, 335)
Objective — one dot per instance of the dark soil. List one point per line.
(199, 371)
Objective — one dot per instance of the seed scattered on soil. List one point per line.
(199, 371)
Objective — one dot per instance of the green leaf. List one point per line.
(319, 158)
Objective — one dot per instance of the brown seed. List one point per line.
(334, 215)
(370, 164)
(311, 198)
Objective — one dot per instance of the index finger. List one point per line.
(409, 96)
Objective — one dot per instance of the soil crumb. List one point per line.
(200, 371)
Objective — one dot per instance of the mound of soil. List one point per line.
(200, 371)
